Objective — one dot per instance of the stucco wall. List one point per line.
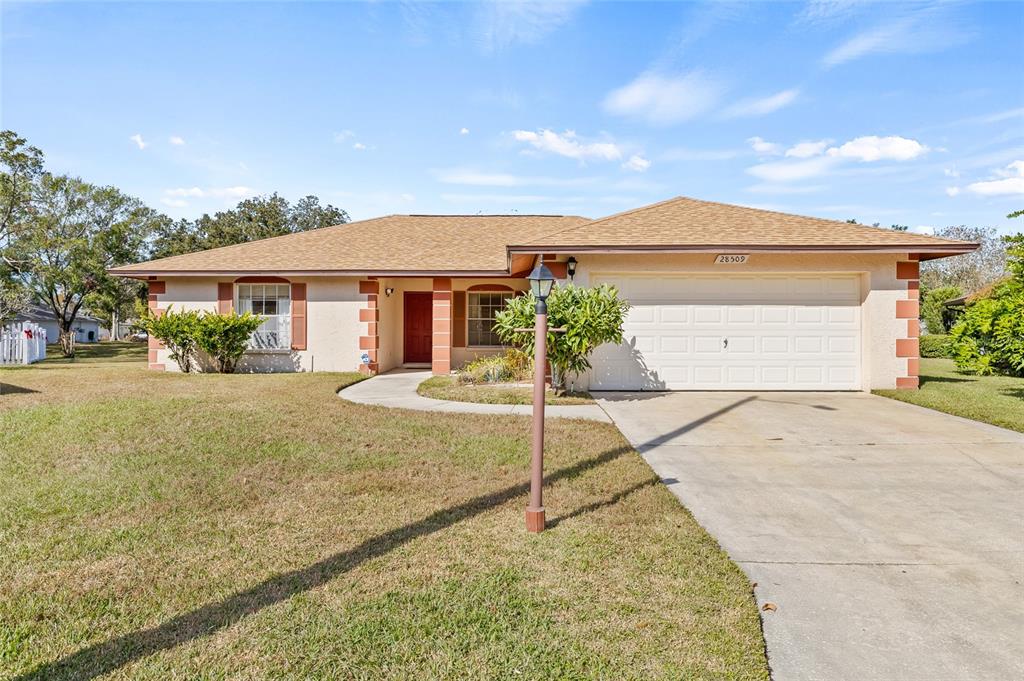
(879, 292)
(332, 325)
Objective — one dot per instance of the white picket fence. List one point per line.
(22, 343)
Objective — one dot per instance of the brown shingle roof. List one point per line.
(684, 222)
(411, 244)
(394, 243)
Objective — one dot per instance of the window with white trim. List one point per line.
(273, 303)
(480, 317)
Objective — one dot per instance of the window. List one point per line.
(273, 303)
(480, 316)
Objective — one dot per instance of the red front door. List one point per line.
(419, 327)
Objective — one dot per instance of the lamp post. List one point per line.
(541, 282)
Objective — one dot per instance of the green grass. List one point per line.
(157, 525)
(106, 352)
(998, 400)
(446, 388)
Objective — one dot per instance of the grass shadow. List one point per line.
(9, 389)
(106, 657)
(1013, 392)
(924, 380)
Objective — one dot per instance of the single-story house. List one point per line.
(723, 297)
(87, 329)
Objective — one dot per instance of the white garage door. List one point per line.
(734, 332)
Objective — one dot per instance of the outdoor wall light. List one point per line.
(570, 267)
(388, 291)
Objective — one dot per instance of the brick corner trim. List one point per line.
(908, 349)
(369, 314)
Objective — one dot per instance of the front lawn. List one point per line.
(447, 388)
(998, 400)
(157, 525)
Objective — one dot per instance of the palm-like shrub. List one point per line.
(590, 317)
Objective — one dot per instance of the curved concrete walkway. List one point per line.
(397, 389)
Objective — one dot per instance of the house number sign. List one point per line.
(731, 259)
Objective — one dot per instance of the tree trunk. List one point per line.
(113, 326)
(67, 342)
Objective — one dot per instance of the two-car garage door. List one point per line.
(734, 332)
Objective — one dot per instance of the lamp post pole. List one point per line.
(535, 511)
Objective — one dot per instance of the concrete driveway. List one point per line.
(889, 537)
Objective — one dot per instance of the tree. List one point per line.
(113, 301)
(933, 308)
(989, 338)
(20, 165)
(75, 233)
(590, 316)
(260, 217)
(970, 271)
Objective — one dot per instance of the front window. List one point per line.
(273, 303)
(482, 308)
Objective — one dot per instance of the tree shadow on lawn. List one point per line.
(925, 380)
(1013, 392)
(108, 656)
(9, 389)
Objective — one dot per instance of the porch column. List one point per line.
(369, 342)
(907, 344)
(156, 288)
(441, 350)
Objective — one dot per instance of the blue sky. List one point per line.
(896, 113)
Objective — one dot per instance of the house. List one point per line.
(723, 297)
(87, 329)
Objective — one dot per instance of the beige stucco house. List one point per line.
(723, 297)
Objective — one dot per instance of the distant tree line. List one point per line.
(59, 235)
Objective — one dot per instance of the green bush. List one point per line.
(590, 317)
(937, 318)
(177, 331)
(511, 367)
(989, 338)
(225, 337)
(936, 345)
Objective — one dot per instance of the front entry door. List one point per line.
(418, 327)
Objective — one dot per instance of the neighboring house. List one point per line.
(797, 303)
(87, 329)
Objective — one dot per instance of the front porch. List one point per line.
(439, 323)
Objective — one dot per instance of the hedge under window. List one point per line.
(273, 303)
(480, 317)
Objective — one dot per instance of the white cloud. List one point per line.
(637, 163)
(1010, 182)
(952, 191)
(764, 147)
(914, 30)
(464, 131)
(174, 203)
(874, 148)
(769, 188)
(923, 229)
(789, 171)
(763, 105)
(569, 145)
(684, 154)
(951, 172)
(343, 136)
(498, 198)
(139, 142)
(359, 146)
(664, 100)
(807, 149)
(237, 192)
(501, 24)
(469, 176)
(176, 141)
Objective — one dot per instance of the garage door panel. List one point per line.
(784, 332)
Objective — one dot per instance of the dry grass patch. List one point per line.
(448, 388)
(159, 525)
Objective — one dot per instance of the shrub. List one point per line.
(225, 337)
(936, 345)
(937, 318)
(590, 316)
(177, 331)
(512, 366)
(989, 339)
